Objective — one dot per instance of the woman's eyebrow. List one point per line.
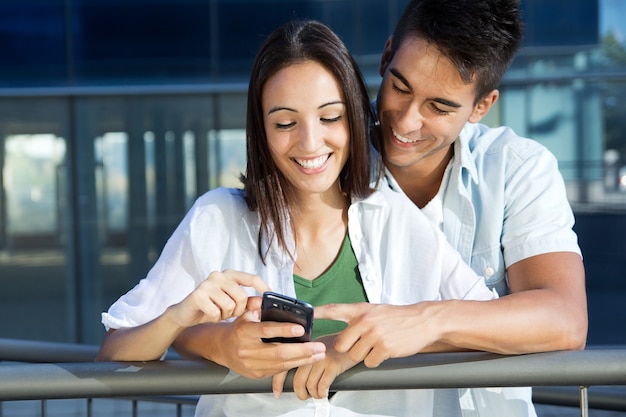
(331, 103)
(279, 108)
(284, 108)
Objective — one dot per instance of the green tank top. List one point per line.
(341, 283)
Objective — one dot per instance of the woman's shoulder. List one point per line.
(221, 196)
(227, 202)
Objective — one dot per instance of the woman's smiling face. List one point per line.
(306, 127)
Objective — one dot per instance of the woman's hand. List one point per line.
(238, 345)
(219, 297)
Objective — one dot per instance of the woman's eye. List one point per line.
(331, 119)
(284, 125)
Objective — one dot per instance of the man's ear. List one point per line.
(385, 59)
(482, 107)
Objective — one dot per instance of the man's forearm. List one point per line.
(529, 321)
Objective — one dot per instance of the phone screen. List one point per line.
(281, 308)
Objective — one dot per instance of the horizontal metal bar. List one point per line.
(440, 370)
(31, 351)
(38, 351)
(239, 87)
(126, 90)
(604, 398)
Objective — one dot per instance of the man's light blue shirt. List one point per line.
(505, 201)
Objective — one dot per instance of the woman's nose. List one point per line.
(309, 136)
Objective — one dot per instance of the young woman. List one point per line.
(309, 225)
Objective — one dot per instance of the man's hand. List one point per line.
(314, 380)
(377, 332)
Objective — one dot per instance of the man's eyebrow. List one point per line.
(448, 103)
(443, 101)
(399, 76)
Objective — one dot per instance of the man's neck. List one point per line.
(421, 181)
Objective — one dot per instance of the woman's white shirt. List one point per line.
(403, 259)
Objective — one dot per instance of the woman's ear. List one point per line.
(482, 107)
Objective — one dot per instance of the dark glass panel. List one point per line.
(33, 43)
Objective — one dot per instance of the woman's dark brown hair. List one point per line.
(266, 189)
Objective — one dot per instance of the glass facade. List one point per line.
(122, 42)
(115, 115)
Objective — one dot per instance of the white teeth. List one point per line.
(402, 138)
(313, 163)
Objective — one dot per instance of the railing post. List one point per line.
(584, 402)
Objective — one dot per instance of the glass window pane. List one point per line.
(33, 274)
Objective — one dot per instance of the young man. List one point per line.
(499, 198)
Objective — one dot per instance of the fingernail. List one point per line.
(319, 356)
(276, 394)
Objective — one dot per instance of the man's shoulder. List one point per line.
(481, 140)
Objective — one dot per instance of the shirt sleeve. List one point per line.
(537, 215)
(173, 276)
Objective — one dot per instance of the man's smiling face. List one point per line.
(423, 105)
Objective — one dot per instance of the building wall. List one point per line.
(116, 114)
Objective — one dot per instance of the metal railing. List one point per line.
(75, 377)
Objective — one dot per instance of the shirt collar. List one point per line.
(376, 198)
(463, 157)
(461, 148)
(464, 154)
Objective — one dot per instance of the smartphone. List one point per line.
(278, 307)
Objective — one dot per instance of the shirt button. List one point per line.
(489, 271)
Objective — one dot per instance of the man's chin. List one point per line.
(399, 161)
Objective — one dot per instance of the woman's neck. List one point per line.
(320, 223)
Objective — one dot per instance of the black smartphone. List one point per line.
(278, 307)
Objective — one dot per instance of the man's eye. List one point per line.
(438, 110)
(398, 89)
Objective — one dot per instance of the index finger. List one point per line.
(248, 280)
(340, 312)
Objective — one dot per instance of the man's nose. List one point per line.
(409, 119)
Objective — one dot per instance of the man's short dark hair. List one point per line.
(480, 37)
